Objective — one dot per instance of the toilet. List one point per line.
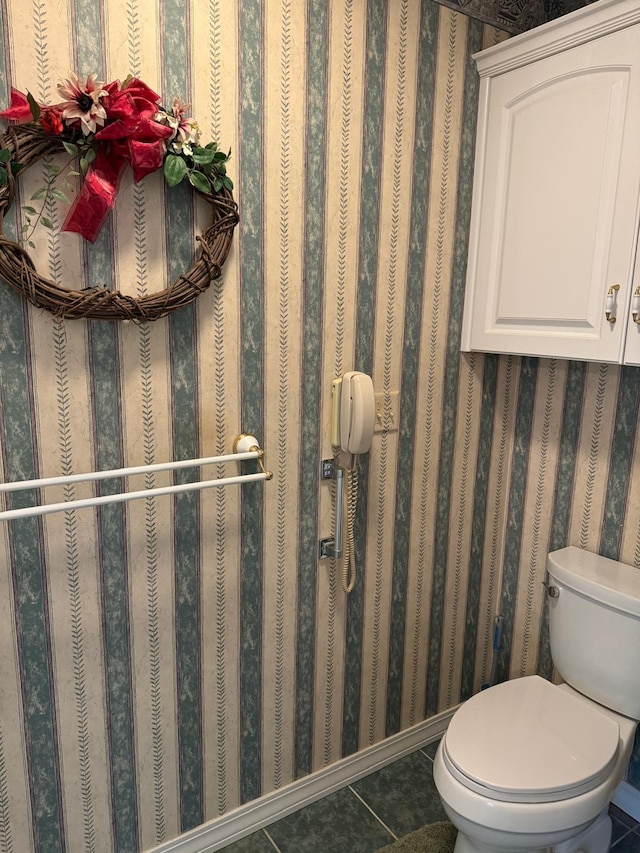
(531, 766)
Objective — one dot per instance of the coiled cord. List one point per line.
(348, 575)
(349, 561)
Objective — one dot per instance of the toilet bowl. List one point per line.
(528, 766)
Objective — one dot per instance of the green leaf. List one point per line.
(203, 155)
(59, 195)
(47, 222)
(221, 157)
(217, 184)
(41, 193)
(211, 145)
(3, 178)
(5, 155)
(90, 155)
(199, 181)
(29, 209)
(32, 245)
(174, 169)
(16, 167)
(70, 148)
(52, 169)
(34, 106)
(84, 165)
(227, 183)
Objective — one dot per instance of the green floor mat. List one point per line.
(433, 838)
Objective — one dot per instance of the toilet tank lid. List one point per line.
(609, 581)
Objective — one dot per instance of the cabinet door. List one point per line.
(556, 204)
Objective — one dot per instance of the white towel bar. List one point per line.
(245, 447)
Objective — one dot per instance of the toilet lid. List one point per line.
(527, 741)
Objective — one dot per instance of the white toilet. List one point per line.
(531, 766)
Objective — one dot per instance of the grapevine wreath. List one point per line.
(108, 127)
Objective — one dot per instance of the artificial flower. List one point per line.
(51, 121)
(83, 102)
(186, 132)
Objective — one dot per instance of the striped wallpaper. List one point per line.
(166, 660)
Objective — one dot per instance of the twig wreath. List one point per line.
(109, 127)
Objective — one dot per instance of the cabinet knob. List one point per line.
(610, 306)
(635, 306)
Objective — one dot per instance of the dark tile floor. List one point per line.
(379, 809)
(626, 832)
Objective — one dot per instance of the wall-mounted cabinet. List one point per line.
(556, 207)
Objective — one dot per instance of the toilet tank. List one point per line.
(594, 627)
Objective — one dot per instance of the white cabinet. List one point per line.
(556, 209)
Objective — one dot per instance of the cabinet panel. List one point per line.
(553, 225)
(556, 203)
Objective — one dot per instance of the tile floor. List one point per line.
(377, 810)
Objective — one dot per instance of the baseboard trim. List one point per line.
(627, 798)
(259, 813)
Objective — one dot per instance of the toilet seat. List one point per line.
(528, 741)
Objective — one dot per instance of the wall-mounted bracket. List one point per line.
(327, 468)
(327, 548)
(387, 412)
(332, 546)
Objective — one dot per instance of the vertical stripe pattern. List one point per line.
(166, 660)
(253, 283)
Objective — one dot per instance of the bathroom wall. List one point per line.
(166, 660)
